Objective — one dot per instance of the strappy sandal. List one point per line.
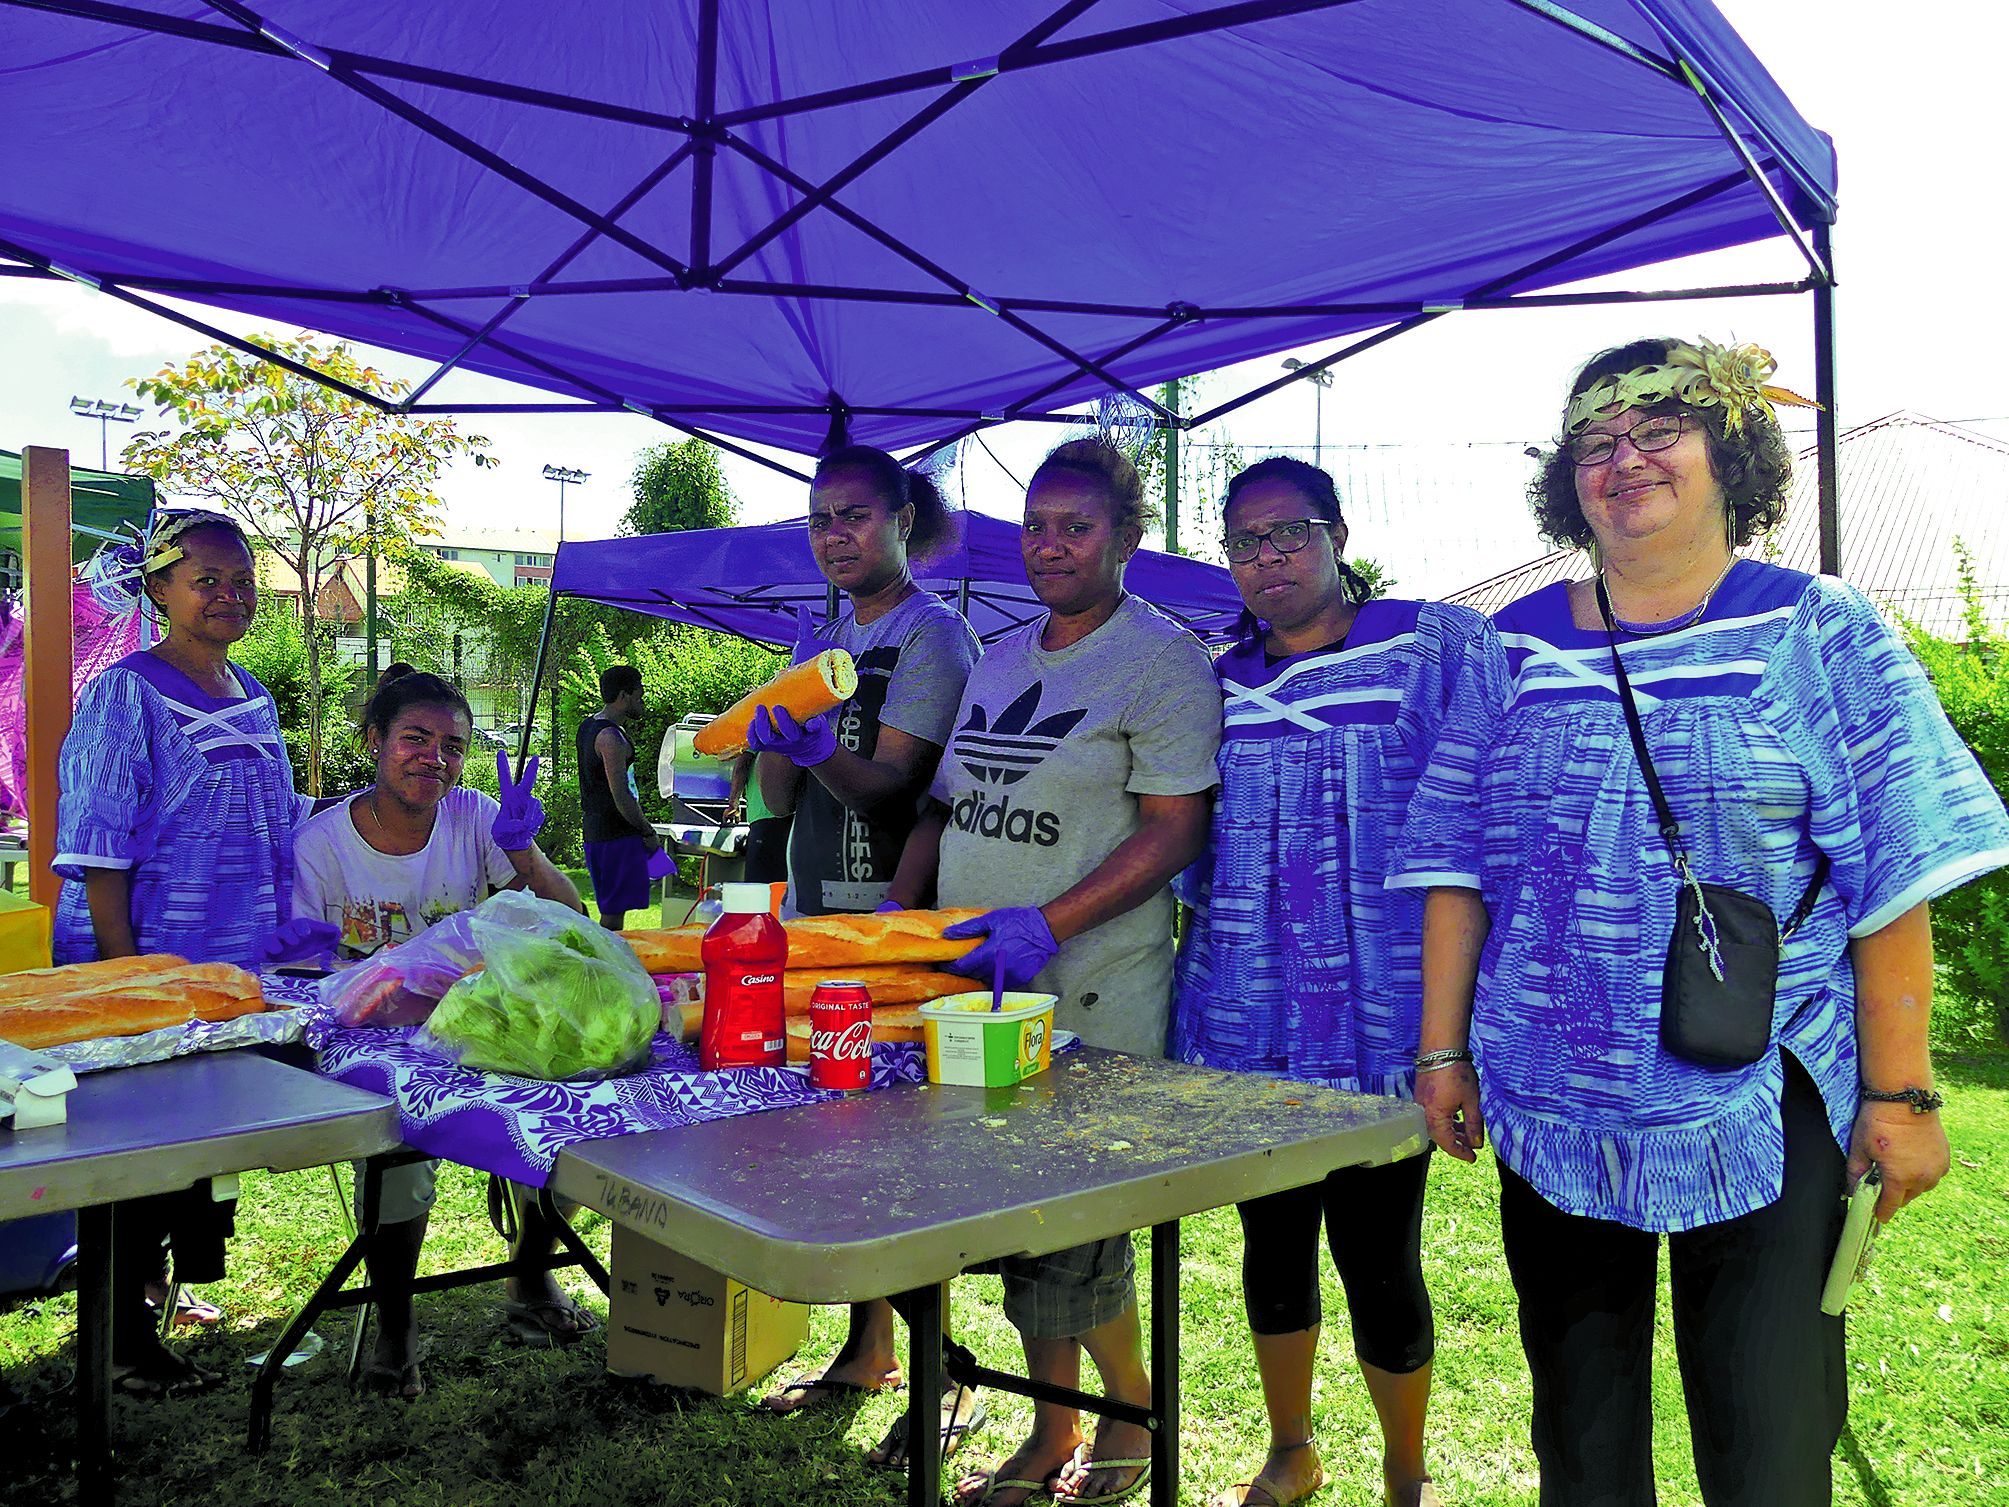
(1089, 1465)
(1243, 1493)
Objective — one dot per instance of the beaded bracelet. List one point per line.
(1431, 1062)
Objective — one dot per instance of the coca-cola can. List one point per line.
(840, 1036)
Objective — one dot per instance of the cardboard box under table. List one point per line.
(677, 1321)
(896, 1191)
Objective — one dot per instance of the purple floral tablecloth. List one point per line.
(517, 1126)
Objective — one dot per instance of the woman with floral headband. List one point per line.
(1679, 774)
(174, 834)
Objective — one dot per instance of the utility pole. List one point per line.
(370, 587)
(1169, 396)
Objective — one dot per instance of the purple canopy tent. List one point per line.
(751, 580)
(903, 220)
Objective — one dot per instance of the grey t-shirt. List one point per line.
(911, 667)
(1041, 777)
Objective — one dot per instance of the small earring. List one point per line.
(1730, 526)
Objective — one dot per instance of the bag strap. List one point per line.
(1670, 830)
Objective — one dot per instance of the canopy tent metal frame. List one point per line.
(694, 141)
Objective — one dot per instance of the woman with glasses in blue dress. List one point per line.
(1299, 963)
(1656, 758)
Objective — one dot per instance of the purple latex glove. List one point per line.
(662, 864)
(522, 815)
(885, 905)
(802, 743)
(1017, 944)
(807, 642)
(300, 940)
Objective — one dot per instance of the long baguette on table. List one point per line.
(43, 983)
(132, 1005)
(846, 941)
(804, 690)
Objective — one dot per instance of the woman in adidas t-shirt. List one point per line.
(1075, 785)
(386, 863)
(1299, 963)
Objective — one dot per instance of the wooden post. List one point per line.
(47, 650)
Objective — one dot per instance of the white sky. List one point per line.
(1912, 98)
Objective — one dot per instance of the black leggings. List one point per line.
(1761, 1365)
(1374, 1225)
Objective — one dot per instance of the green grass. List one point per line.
(1929, 1367)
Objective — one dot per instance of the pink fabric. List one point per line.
(99, 638)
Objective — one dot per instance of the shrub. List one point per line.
(1971, 925)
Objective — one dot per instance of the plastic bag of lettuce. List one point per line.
(557, 996)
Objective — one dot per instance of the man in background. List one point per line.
(619, 839)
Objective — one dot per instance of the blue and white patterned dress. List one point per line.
(194, 795)
(1790, 720)
(1300, 961)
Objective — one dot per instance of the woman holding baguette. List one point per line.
(1075, 786)
(1299, 963)
(851, 778)
(174, 834)
(410, 849)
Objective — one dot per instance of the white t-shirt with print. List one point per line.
(382, 898)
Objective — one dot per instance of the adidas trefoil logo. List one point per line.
(1005, 753)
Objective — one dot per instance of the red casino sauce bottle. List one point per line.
(745, 952)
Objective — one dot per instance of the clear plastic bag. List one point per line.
(557, 996)
(400, 985)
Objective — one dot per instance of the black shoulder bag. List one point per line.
(1723, 960)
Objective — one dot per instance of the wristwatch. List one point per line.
(1923, 1101)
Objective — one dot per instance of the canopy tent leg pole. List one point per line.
(537, 679)
(1827, 428)
(47, 651)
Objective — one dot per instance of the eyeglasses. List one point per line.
(1660, 432)
(1285, 539)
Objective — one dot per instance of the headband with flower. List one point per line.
(161, 549)
(1702, 375)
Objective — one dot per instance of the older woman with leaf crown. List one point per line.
(1679, 835)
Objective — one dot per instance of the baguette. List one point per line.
(169, 997)
(895, 1023)
(846, 941)
(889, 987)
(803, 691)
(42, 983)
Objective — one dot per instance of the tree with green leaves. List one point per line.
(678, 485)
(314, 472)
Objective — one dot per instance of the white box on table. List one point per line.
(681, 1323)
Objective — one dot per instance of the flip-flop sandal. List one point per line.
(162, 1375)
(809, 1387)
(892, 1451)
(1108, 1498)
(403, 1382)
(189, 1309)
(1034, 1490)
(548, 1321)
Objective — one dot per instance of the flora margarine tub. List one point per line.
(970, 1043)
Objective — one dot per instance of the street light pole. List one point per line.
(564, 476)
(1320, 380)
(107, 413)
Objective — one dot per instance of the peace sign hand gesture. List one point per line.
(522, 815)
